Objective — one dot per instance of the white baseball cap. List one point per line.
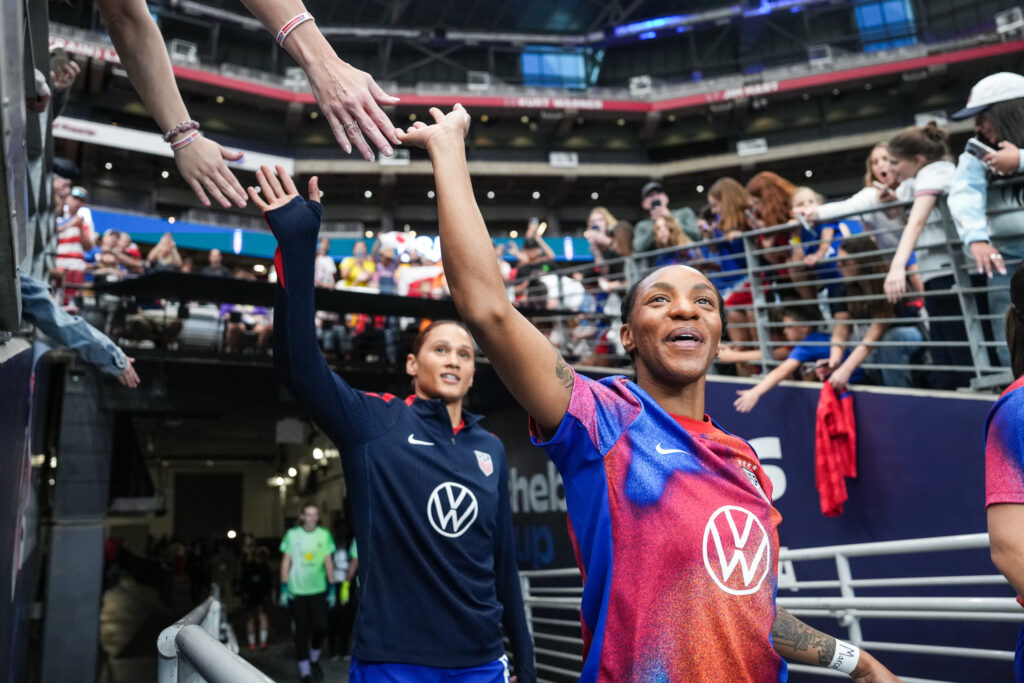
(998, 87)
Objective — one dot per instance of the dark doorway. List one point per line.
(207, 505)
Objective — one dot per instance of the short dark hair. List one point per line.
(629, 299)
(802, 314)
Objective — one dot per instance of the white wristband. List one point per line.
(845, 658)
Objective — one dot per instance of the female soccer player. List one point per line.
(1004, 463)
(671, 516)
(428, 484)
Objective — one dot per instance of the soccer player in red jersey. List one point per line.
(671, 516)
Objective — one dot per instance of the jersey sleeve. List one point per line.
(330, 544)
(597, 416)
(347, 416)
(1004, 451)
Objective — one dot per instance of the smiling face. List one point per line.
(805, 200)
(310, 517)
(444, 365)
(675, 327)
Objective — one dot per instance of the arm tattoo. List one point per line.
(564, 374)
(792, 634)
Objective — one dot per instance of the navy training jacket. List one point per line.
(437, 560)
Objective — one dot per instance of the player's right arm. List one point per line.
(536, 375)
(346, 415)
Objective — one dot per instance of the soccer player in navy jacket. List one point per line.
(428, 484)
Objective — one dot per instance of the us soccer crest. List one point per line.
(485, 462)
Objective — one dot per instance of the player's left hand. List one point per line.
(870, 670)
(1006, 161)
(277, 189)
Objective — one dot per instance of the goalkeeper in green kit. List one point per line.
(307, 586)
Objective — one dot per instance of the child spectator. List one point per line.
(920, 163)
(807, 201)
(668, 233)
(811, 346)
(862, 268)
(997, 105)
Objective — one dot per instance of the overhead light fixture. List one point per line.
(430, 194)
(108, 166)
(671, 118)
(524, 119)
(220, 99)
(165, 174)
(413, 117)
(490, 194)
(260, 268)
(369, 235)
(536, 194)
(318, 453)
(292, 471)
(314, 115)
(484, 118)
(700, 188)
(368, 194)
(594, 195)
(621, 122)
(172, 220)
(513, 234)
(232, 533)
(808, 173)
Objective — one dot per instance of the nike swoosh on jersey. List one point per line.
(416, 442)
(666, 451)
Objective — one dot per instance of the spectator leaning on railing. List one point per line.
(997, 105)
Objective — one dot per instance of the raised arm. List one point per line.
(346, 415)
(532, 370)
(349, 98)
(896, 280)
(795, 640)
(748, 398)
(144, 57)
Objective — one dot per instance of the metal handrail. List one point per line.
(847, 608)
(201, 646)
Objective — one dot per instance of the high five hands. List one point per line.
(451, 126)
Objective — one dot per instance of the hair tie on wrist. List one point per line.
(181, 128)
(291, 25)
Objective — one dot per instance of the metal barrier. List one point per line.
(754, 261)
(559, 591)
(201, 646)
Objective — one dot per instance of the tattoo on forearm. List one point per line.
(791, 633)
(564, 373)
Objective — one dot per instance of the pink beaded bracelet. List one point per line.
(181, 128)
(291, 25)
(185, 141)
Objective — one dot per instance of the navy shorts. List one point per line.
(366, 672)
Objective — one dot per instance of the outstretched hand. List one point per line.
(278, 189)
(446, 126)
(350, 100)
(202, 166)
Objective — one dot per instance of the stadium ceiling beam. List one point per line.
(614, 13)
(431, 56)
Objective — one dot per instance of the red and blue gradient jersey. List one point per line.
(1004, 448)
(675, 536)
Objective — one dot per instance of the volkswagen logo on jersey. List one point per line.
(734, 538)
(451, 509)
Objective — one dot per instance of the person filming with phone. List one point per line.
(989, 223)
(655, 202)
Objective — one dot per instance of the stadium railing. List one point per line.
(201, 646)
(585, 288)
(552, 600)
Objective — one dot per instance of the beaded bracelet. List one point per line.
(185, 141)
(181, 128)
(291, 25)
